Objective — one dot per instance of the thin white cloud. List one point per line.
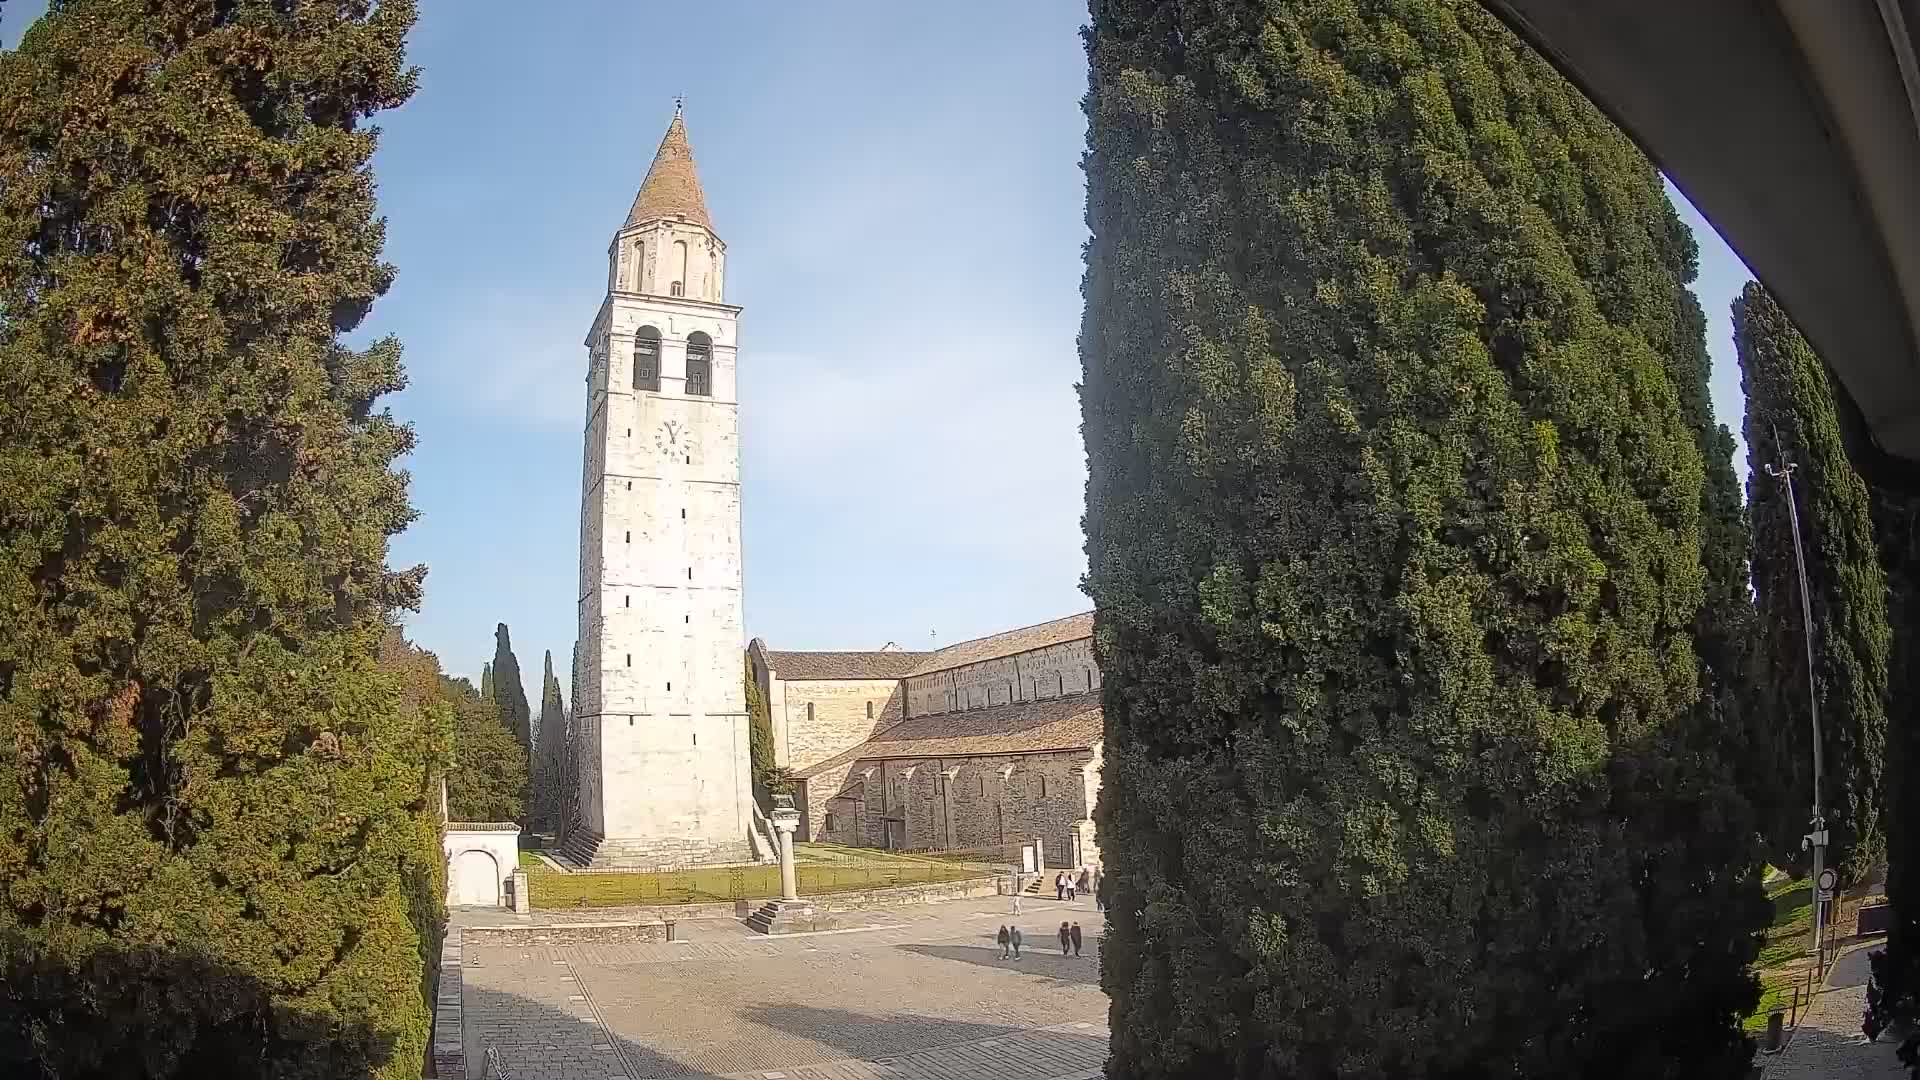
(513, 358)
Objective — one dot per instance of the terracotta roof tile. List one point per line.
(1024, 727)
(1025, 639)
(672, 186)
(803, 666)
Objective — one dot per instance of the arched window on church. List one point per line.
(699, 364)
(679, 268)
(646, 359)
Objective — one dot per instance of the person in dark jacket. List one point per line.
(1066, 939)
(1004, 940)
(1075, 934)
(1014, 932)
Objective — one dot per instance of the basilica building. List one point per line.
(986, 745)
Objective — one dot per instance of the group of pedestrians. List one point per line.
(1069, 886)
(1010, 940)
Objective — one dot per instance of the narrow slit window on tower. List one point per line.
(629, 601)
(669, 688)
(699, 364)
(983, 785)
(683, 513)
(629, 659)
(629, 536)
(689, 573)
(646, 359)
(869, 710)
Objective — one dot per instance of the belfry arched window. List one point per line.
(699, 364)
(646, 359)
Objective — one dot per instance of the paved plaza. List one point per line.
(911, 994)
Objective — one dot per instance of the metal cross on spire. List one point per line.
(679, 102)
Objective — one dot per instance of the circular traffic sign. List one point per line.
(1828, 879)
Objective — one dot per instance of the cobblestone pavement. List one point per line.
(920, 995)
(1828, 1044)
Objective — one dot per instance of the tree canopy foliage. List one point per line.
(1791, 417)
(509, 691)
(214, 802)
(1395, 413)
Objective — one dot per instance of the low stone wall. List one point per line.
(449, 1036)
(607, 933)
(891, 896)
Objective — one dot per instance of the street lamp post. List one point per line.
(1817, 839)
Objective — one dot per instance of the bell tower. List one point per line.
(661, 717)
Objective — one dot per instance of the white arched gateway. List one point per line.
(480, 856)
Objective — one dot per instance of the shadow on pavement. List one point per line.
(534, 1039)
(886, 1038)
(1083, 969)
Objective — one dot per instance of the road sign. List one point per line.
(1828, 879)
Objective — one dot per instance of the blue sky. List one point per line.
(900, 192)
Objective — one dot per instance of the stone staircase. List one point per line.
(588, 850)
(791, 917)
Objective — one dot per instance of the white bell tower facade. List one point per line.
(661, 719)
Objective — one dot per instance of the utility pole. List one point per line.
(1816, 840)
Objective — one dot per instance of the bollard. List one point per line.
(1776, 1027)
(670, 931)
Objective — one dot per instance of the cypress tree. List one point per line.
(1791, 414)
(1896, 970)
(486, 682)
(214, 804)
(508, 691)
(549, 750)
(1395, 531)
(759, 739)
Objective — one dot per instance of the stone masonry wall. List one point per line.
(959, 803)
(1066, 668)
(819, 719)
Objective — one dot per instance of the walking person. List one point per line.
(1066, 939)
(1075, 934)
(1004, 939)
(1019, 887)
(1071, 883)
(1014, 936)
(1060, 886)
(1086, 881)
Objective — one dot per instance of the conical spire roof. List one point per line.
(672, 187)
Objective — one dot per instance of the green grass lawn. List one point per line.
(821, 868)
(1785, 941)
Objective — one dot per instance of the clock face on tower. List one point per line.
(671, 439)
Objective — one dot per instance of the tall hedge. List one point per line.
(1791, 415)
(1394, 525)
(212, 799)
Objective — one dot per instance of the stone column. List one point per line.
(786, 821)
